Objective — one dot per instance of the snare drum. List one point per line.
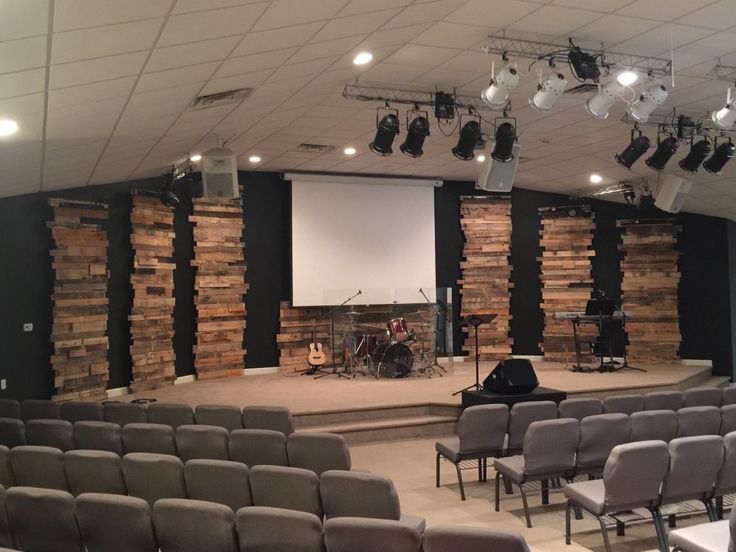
(397, 330)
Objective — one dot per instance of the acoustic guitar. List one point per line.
(316, 355)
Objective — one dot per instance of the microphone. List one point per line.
(420, 291)
(359, 292)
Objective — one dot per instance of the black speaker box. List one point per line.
(512, 376)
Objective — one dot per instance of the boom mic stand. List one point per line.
(435, 365)
(475, 320)
(334, 371)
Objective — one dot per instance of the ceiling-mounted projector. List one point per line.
(220, 174)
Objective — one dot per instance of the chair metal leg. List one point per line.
(672, 521)
(545, 491)
(485, 469)
(604, 532)
(508, 488)
(480, 470)
(710, 509)
(719, 507)
(525, 503)
(578, 511)
(460, 481)
(568, 507)
(659, 527)
(498, 490)
(437, 470)
(620, 529)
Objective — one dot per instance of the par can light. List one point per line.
(386, 131)
(665, 150)
(696, 156)
(503, 150)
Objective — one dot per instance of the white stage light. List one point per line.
(600, 104)
(725, 118)
(547, 93)
(497, 94)
(651, 99)
(627, 78)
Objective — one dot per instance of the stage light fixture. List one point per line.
(469, 134)
(723, 154)
(496, 96)
(698, 153)
(651, 99)
(503, 150)
(600, 105)
(417, 131)
(627, 78)
(386, 130)
(169, 198)
(548, 91)
(725, 117)
(596, 178)
(664, 152)
(636, 148)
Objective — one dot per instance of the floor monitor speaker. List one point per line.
(512, 376)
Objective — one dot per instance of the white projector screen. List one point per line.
(361, 234)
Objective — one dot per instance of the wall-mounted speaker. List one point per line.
(512, 376)
(496, 176)
(220, 174)
(672, 195)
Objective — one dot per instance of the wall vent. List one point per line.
(220, 98)
(315, 148)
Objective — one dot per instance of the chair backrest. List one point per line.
(286, 487)
(276, 418)
(219, 481)
(154, 476)
(78, 411)
(482, 428)
(598, 435)
(318, 452)
(728, 395)
(145, 437)
(124, 413)
(6, 534)
(9, 408)
(653, 425)
(94, 471)
(41, 467)
(43, 520)
(263, 529)
(170, 414)
(549, 446)
(702, 396)
(50, 433)
(663, 400)
(39, 409)
(694, 465)
(111, 523)
(728, 418)
(449, 538)
(370, 535)
(254, 447)
(522, 415)
(698, 420)
(99, 436)
(221, 415)
(193, 526)
(633, 475)
(201, 442)
(358, 494)
(623, 404)
(6, 471)
(726, 480)
(579, 408)
(12, 432)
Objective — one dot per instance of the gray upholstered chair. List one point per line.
(548, 452)
(6, 534)
(111, 523)
(263, 529)
(124, 413)
(370, 535)
(78, 411)
(450, 538)
(728, 395)
(41, 467)
(170, 414)
(10, 408)
(726, 479)
(94, 471)
(631, 479)
(360, 494)
(653, 425)
(7, 479)
(479, 434)
(702, 396)
(201, 442)
(521, 416)
(663, 400)
(275, 418)
(220, 415)
(43, 520)
(254, 447)
(50, 433)
(623, 404)
(219, 481)
(39, 409)
(318, 452)
(579, 408)
(154, 476)
(12, 432)
(728, 418)
(194, 526)
(96, 435)
(698, 420)
(145, 437)
(598, 435)
(286, 487)
(706, 537)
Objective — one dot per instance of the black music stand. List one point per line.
(475, 320)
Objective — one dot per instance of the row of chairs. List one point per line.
(48, 520)
(656, 400)
(277, 418)
(719, 536)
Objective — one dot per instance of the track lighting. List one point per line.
(698, 153)
(665, 150)
(651, 99)
(725, 117)
(496, 96)
(469, 134)
(386, 130)
(638, 147)
(505, 137)
(600, 104)
(416, 131)
(547, 93)
(723, 154)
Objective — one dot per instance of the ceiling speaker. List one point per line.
(496, 176)
(671, 196)
(220, 174)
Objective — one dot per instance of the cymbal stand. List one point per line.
(334, 371)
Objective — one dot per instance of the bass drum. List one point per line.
(393, 361)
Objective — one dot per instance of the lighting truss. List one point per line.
(724, 73)
(620, 187)
(408, 97)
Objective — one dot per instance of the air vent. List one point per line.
(220, 98)
(315, 148)
(585, 88)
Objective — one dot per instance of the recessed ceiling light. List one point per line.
(481, 158)
(349, 151)
(195, 158)
(8, 127)
(627, 78)
(596, 178)
(362, 58)
(254, 159)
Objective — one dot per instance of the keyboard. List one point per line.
(582, 317)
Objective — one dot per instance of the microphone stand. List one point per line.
(332, 337)
(435, 364)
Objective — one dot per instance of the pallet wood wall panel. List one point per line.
(295, 335)
(220, 287)
(649, 289)
(567, 282)
(486, 273)
(152, 279)
(80, 303)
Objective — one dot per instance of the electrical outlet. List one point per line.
(3, 384)
(28, 327)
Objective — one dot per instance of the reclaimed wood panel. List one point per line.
(80, 303)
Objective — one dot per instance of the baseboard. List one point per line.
(261, 371)
(185, 379)
(117, 392)
(696, 362)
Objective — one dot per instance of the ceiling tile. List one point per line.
(283, 13)
(612, 29)
(76, 95)
(715, 45)
(199, 73)
(77, 14)
(246, 80)
(255, 62)
(93, 70)
(24, 18)
(720, 16)
(555, 21)
(477, 12)
(662, 10)
(424, 56)
(659, 40)
(211, 24)
(264, 41)
(26, 53)
(607, 6)
(392, 73)
(22, 82)
(425, 12)
(352, 25)
(326, 49)
(364, 6)
(191, 53)
(451, 35)
(186, 6)
(314, 67)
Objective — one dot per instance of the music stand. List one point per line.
(475, 320)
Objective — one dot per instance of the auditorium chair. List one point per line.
(728, 419)
(111, 523)
(653, 425)
(170, 414)
(12, 432)
(548, 452)
(286, 487)
(702, 396)
(43, 520)
(10, 408)
(479, 434)
(201, 442)
(521, 416)
(184, 525)
(6, 471)
(6, 533)
(663, 400)
(39, 409)
(631, 479)
(706, 537)
(318, 452)
(370, 535)
(78, 411)
(623, 404)
(41, 467)
(50, 433)
(726, 480)
(154, 476)
(579, 408)
(94, 471)
(99, 436)
(728, 395)
(452, 538)
(219, 481)
(254, 447)
(148, 437)
(229, 417)
(698, 420)
(276, 418)
(598, 435)
(124, 413)
(263, 529)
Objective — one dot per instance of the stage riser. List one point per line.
(432, 426)
(361, 415)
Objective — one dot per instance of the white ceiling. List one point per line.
(100, 88)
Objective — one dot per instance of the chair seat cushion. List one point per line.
(511, 467)
(449, 448)
(588, 494)
(705, 537)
